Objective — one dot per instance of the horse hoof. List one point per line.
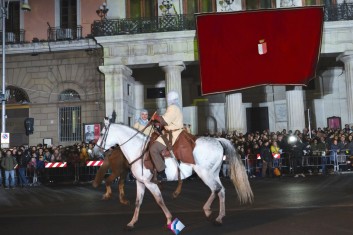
(129, 228)
(209, 218)
(217, 223)
(175, 195)
(126, 203)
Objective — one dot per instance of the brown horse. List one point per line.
(116, 161)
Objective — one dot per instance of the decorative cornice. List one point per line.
(47, 47)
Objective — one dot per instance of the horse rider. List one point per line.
(172, 122)
(142, 122)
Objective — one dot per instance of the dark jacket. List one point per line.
(22, 159)
(265, 153)
(8, 162)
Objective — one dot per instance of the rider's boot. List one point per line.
(158, 177)
(154, 177)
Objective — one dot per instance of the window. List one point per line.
(141, 8)
(70, 117)
(69, 95)
(197, 6)
(154, 93)
(13, 18)
(13, 33)
(315, 2)
(259, 4)
(70, 124)
(68, 14)
(15, 95)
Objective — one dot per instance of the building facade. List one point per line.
(69, 63)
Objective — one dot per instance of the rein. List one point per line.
(119, 145)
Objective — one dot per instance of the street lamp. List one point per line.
(102, 11)
(3, 104)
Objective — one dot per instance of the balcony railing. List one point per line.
(337, 12)
(14, 37)
(61, 34)
(107, 27)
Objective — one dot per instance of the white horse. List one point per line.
(208, 154)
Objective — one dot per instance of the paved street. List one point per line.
(311, 205)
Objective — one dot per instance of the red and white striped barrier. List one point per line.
(94, 163)
(55, 164)
(276, 155)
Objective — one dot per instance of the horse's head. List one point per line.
(105, 141)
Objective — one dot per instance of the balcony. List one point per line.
(61, 34)
(338, 12)
(109, 27)
(14, 37)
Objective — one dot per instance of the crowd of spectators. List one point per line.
(295, 147)
(29, 163)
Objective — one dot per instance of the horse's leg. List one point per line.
(120, 167)
(108, 181)
(154, 189)
(211, 181)
(222, 200)
(121, 186)
(140, 192)
(178, 189)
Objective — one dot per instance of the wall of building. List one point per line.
(45, 76)
(35, 21)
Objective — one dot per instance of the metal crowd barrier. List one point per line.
(59, 172)
(330, 162)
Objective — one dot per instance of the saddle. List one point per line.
(182, 149)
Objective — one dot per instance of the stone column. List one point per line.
(139, 98)
(295, 109)
(116, 78)
(347, 59)
(235, 115)
(173, 77)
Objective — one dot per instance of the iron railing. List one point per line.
(61, 34)
(337, 12)
(110, 27)
(14, 37)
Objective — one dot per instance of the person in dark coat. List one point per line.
(9, 163)
(266, 157)
(22, 160)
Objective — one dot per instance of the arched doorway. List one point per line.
(17, 110)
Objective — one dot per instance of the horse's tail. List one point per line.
(101, 172)
(238, 173)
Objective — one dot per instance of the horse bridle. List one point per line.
(104, 137)
(119, 145)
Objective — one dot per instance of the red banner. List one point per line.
(244, 49)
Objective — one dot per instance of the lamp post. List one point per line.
(3, 104)
(102, 11)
